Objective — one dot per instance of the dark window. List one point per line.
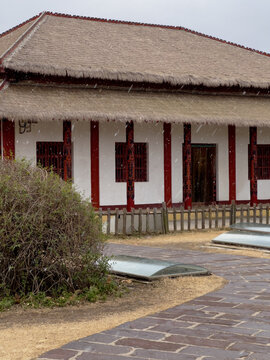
(140, 154)
(120, 162)
(140, 162)
(50, 155)
(263, 162)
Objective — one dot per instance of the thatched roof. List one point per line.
(35, 102)
(10, 37)
(78, 47)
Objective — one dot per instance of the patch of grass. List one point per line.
(7, 302)
(98, 292)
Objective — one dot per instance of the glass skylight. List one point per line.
(151, 269)
(246, 234)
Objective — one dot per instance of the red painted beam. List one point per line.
(167, 164)
(8, 139)
(232, 163)
(67, 150)
(253, 164)
(95, 163)
(187, 180)
(130, 165)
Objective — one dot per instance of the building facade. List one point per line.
(133, 135)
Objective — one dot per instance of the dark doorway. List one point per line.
(203, 160)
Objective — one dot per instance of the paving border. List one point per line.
(230, 323)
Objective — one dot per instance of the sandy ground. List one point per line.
(24, 334)
(193, 240)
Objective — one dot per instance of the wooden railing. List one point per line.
(166, 220)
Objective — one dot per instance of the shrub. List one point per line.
(50, 238)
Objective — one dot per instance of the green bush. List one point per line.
(50, 238)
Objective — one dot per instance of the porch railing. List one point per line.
(165, 220)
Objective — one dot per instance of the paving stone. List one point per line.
(206, 320)
(202, 312)
(137, 334)
(147, 344)
(171, 329)
(101, 338)
(60, 354)
(251, 347)
(191, 340)
(162, 355)
(216, 328)
(97, 348)
(218, 354)
(255, 325)
(216, 304)
(241, 338)
(258, 357)
(91, 356)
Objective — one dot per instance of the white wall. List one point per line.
(177, 160)
(81, 161)
(152, 191)
(25, 144)
(111, 193)
(216, 135)
(263, 137)
(242, 181)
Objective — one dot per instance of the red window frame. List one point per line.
(140, 155)
(263, 162)
(50, 155)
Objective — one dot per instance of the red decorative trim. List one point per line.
(158, 26)
(67, 150)
(8, 139)
(232, 163)
(187, 183)
(167, 164)
(130, 165)
(177, 205)
(95, 163)
(253, 164)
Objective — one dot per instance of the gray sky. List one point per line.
(245, 22)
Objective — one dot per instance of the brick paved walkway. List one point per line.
(231, 323)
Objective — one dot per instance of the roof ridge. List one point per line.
(3, 84)
(20, 38)
(19, 25)
(172, 27)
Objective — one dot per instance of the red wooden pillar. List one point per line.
(187, 181)
(167, 164)
(232, 162)
(253, 164)
(67, 150)
(130, 165)
(95, 164)
(7, 138)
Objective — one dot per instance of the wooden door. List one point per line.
(203, 159)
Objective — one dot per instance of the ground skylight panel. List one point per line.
(244, 238)
(151, 269)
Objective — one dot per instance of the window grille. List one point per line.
(140, 157)
(120, 162)
(263, 162)
(140, 162)
(50, 155)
